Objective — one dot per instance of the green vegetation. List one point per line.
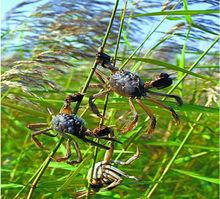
(51, 54)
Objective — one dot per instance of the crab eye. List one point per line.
(103, 56)
(96, 185)
(164, 75)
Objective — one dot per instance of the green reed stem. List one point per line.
(120, 31)
(42, 170)
(101, 50)
(30, 180)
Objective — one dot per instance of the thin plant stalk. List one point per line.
(47, 161)
(158, 172)
(120, 31)
(73, 174)
(30, 180)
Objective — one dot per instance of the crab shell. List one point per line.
(127, 84)
(99, 178)
(65, 123)
(103, 175)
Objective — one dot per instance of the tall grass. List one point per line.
(50, 53)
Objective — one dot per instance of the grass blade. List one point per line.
(178, 12)
(198, 176)
(172, 67)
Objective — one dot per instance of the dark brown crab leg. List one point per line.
(37, 125)
(92, 105)
(95, 143)
(68, 153)
(174, 114)
(177, 98)
(97, 86)
(44, 131)
(34, 134)
(134, 121)
(91, 134)
(107, 138)
(101, 79)
(99, 76)
(78, 152)
(150, 114)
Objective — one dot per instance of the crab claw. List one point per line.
(103, 58)
(74, 98)
(103, 131)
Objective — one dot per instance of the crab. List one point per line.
(128, 84)
(68, 125)
(107, 176)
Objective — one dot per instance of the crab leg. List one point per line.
(116, 182)
(177, 98)
(37, 125)
(130, 160)
(134, 121)
(174, 114)
(99, 76)
(96, 86)
(50, 135)
(37, 142)
(89, 133)
(95, 143)
(150, 114)
(92, 104)
(108, 138)
(74, 98)
(101, 79)
(78, 152)
(68, 153)
(114, 172)
(66, 109)
(108, 154)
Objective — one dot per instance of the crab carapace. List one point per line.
(128, 84)
(68, 125)
(107, 176)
